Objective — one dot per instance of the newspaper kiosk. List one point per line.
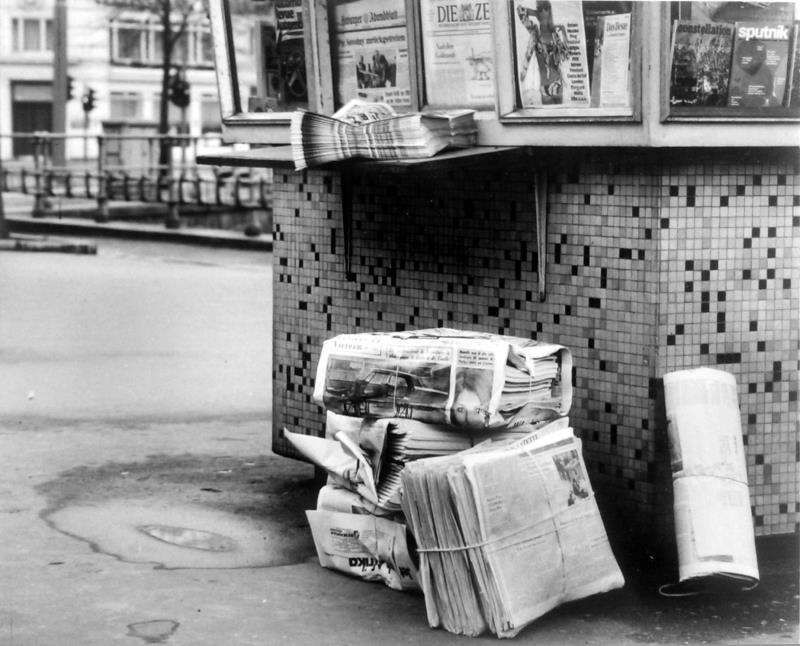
(634, 196)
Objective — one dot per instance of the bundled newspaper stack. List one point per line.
(713, 520)
(468, 380)
(358, 526)
(393, 399)
(375, 131)
(506, 533)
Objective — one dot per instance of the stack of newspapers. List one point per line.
(375, 131)
(367, 456)
(507, 532)
(469, 380)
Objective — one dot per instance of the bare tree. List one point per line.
(3, 223)
(174, 17)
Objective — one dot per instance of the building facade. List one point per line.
(114, 52)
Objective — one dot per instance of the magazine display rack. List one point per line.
(583, 69)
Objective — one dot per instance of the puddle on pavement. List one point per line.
(156, 631)
(175, 536)
(191, 538)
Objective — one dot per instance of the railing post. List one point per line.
(102, 193)
(40, 204)
(217, 186)
(172, 219)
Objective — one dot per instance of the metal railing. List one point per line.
(125, 167)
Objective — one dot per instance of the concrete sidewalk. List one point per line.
(75, 217)
(140, 502)
(75, 497)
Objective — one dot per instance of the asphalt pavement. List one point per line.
(140, 502)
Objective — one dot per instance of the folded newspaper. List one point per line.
(470, 380)
(713, 520)
(506, 533)
(375, 131)
(368, 459)
(359, 544)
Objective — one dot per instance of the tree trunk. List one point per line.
(165, 149)
(3, 225)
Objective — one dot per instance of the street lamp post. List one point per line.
(60, 81)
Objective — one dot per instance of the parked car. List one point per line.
(388, 392)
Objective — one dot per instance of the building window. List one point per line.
(141, 42)
(125, 106)
(210, 114)
(31, 34)
(131, 43)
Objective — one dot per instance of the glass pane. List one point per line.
(129, 43)
(48, 35)
(370, 52)
(572, 54)
(269, 50)
(15, 27)
(457, 52)
(31, 37)
(209, 114)
(125, 106)
(158, 44)
(180, 51)
(205, 48)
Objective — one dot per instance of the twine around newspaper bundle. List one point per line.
(553, 514)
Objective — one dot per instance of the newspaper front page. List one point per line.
(458, 53)
(537, 506)
(470, 380)
(521, 533)
(371, 52)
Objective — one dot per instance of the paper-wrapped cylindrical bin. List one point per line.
(713, 521)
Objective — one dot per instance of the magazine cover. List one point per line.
(701, 63)
(610, 60)
(551, 64)
(760, 64)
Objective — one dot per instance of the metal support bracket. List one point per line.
(540, 199)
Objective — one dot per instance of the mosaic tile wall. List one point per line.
(653, 265)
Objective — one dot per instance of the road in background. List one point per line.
(140, 329)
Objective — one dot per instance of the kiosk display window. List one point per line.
(262, 55)
(566, 59)
(732, 60)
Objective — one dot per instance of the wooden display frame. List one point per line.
(650, 122)
(241, 125)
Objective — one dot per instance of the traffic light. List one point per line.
(70, 89)
(179, 91)
(88, 100)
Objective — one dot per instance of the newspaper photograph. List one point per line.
(458, 53)
(371, 52)
(470, 380)
(552, 68)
